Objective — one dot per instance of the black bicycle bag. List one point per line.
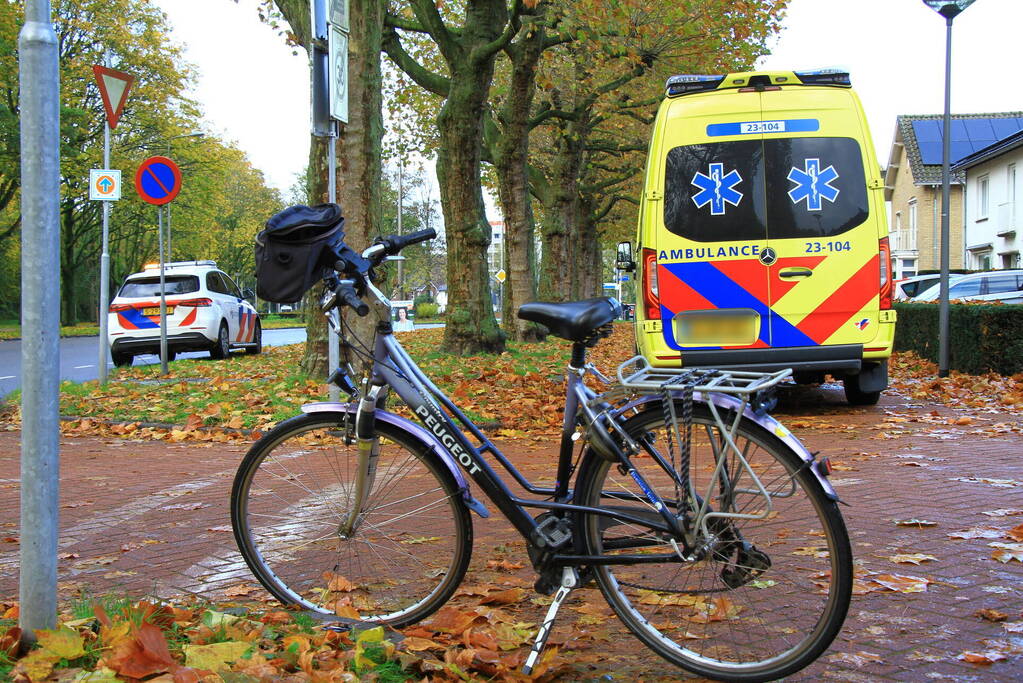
(294, 250)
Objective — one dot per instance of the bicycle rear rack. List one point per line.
(638, 376)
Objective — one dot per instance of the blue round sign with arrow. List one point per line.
(158, 180)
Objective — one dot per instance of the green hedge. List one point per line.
(981, 338)
(427, 310)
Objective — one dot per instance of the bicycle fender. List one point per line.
(418, 432)
(765, 421)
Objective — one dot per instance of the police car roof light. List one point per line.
(825, 77)
(689, 83)
(180, 264)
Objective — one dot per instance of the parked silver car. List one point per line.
(999, 285)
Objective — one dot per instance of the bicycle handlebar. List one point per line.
(349, 265)
(395, 243)
(346, 296)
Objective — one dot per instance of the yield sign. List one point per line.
(113, 86)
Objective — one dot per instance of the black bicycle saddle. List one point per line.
(572, 320)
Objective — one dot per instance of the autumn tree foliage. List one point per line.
(223, 194)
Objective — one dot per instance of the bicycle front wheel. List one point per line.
(290, 508)
(768, 584)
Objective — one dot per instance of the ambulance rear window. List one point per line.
(757, 189)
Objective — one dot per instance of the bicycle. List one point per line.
(710, 530)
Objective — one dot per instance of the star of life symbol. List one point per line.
(813, 184)
(717, 189)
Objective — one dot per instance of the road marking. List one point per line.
(79, 367)
(8, 377)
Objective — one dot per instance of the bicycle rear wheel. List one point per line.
(292, 494)
(764, 597)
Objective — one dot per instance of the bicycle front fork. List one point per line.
(368, 444)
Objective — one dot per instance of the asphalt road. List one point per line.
(78, 356)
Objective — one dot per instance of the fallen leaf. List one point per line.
(991, 615)
(915, 558)
(506, 597)
(1006, 552)
(856, 659)
(214, 657)
(915, 522)
(989, 657)
(977, 532)
(503, 565)
(901, 583)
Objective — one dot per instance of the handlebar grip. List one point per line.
(346, 296)
(395, 243)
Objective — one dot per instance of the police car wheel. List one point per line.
(257, 340)
(122, 360)
(222, 347)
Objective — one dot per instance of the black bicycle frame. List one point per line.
(393, 368)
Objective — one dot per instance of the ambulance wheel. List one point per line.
(855, 396)
(122, 360)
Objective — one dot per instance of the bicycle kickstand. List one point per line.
(569, 580)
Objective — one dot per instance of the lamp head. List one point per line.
(949, 9)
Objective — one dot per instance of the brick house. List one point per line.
(913, 185)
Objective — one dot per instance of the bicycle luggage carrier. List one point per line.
(637, 375)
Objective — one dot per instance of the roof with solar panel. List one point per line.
(971, 133)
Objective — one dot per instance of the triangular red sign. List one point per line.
(113, 86)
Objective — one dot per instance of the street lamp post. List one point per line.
(949, 9)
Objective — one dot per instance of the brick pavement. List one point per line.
(152, 518)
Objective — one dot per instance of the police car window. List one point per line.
(757, 189)
(232, 288)
(214, 283)
(150, 286)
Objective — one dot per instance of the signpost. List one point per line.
(158, 182)
(329, 55)
(105, 186)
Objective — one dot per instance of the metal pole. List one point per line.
(401, 263)
(104, 260)
(943, 309)
(333, 343)
(170, 258)
(40, 318)
(163, 297)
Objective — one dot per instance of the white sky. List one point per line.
(255, 92)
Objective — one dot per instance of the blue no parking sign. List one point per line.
(158, 180)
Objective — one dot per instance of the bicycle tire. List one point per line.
(288, 503)
(763, 623)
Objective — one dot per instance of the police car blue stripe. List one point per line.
(761, 127)
(135, 317)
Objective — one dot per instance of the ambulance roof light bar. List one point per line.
(686, 84)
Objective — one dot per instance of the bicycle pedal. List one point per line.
(569, 580)
(555, 531)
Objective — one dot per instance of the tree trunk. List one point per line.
(359, 151)
(511, 156)
(558, 266)
(359, 159)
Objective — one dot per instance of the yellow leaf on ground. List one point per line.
(215, 657)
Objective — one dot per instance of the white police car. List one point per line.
(205, 312)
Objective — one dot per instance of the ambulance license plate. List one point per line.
(717, 328)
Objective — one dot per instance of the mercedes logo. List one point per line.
(768, 256)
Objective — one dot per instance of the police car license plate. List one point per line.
(717, 328)
(155, 310)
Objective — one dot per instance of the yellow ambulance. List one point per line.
(762, 232)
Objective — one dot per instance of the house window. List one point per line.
(908, 267)
(982, 260)
(1010, 260)
(983, 196)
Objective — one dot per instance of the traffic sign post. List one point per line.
(158, 182)
(105, 186)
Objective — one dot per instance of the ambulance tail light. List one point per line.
(650, 297)
(886, 274)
